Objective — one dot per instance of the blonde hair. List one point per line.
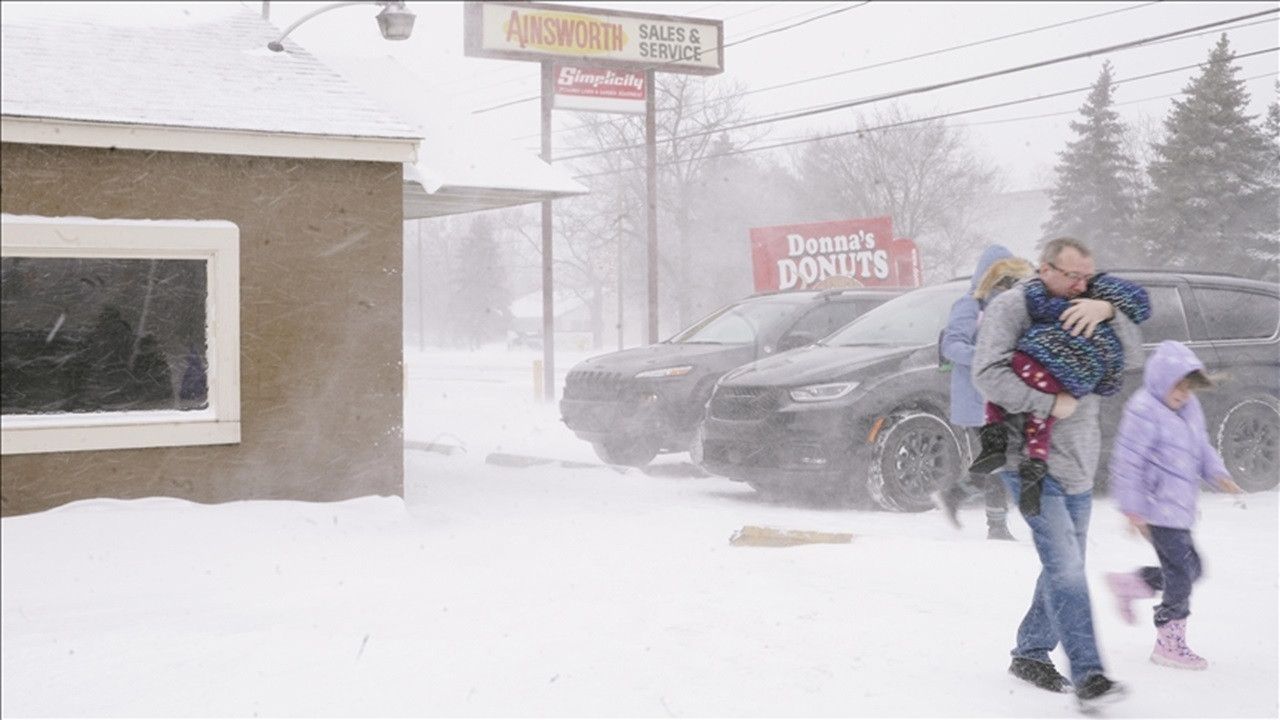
(1198, 380)
(1006, 269)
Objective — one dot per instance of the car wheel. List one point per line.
(913, 457)
(1247, 441)
(695, 447)
(626, 450)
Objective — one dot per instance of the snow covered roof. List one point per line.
(530, 306)
(462, 165)
(198, 77)
(203, 68)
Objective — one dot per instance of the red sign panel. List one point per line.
(829, 254)
(598, 89)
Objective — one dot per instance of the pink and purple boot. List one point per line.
(1171, 648)
(1128, 587)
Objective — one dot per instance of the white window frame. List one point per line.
(217, 242)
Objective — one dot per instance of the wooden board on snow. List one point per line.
(754, 535)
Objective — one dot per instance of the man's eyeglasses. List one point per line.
(1073, 276)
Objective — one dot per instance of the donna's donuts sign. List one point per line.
(860, 251)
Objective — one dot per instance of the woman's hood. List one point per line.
(989, 256)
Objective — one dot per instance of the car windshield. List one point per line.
(908, 320)
(739, 323)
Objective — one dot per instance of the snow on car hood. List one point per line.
(660, 355)
(818, 364)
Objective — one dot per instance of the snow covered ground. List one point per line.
(570, 589)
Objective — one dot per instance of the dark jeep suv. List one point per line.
(862, 415)
(633, 404)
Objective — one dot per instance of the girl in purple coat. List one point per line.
(1161, 454)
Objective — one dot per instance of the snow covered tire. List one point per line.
(915, 454)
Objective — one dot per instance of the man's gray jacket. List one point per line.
(1074, 441)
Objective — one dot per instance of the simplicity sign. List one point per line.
(598, 38)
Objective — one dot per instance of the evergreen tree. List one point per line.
(1212, 204)
(1096, 194)
(1271, 194)
(480, 304)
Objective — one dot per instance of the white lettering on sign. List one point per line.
(811, 260)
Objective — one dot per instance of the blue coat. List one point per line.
(956, 346)
(1160, 454)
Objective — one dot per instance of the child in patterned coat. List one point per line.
(1050, 359)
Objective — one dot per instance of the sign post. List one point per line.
(597, 39)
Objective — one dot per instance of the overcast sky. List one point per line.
(793, 56)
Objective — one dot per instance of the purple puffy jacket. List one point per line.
(1160, 455)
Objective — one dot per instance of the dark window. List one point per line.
(102, 334)
(1238, 314)
(1168, 319)
(828, 317)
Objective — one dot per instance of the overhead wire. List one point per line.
(918, 56)
(842, 9)
(792, 115)
(921, 55)
(952, 114)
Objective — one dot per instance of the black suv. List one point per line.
(862, 415)
(633, 404)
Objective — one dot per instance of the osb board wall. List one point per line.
(320, 346)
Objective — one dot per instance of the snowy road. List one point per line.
(578, 590)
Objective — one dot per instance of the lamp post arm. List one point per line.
(277, 46)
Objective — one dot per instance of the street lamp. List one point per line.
(395, 21)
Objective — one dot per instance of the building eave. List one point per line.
(214, 141)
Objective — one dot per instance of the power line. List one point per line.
(842, 9)
(921, 55)
(956, 113)
(952, 48)
(895, 61)
(936, 86)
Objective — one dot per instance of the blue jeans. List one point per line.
(1060, 610)
(1180, 568)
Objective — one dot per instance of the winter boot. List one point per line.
(998, 526)
(1128, 587)
(1041, 674)
(994, 441)
(1031, 474)
(1171, 648)
(1097, 690)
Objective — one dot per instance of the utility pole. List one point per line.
(619, 267)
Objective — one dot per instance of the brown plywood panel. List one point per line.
(321, 344)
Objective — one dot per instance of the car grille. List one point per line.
(735, 453)
(593, 385)
(744, 402)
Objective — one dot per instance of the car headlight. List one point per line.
(666, 372)
(822, 393)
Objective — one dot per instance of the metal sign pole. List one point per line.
(651, 200)
(548, 283)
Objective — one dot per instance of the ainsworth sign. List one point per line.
(840, 253)
(591, 36)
